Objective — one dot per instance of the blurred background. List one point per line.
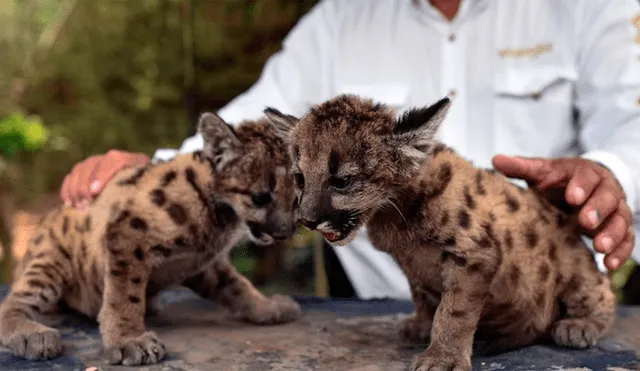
(79, 77)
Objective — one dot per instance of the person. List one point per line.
(553, 84)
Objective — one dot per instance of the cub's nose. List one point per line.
(311, 224)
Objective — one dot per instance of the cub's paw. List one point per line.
(39, 344)
(575, 333)
(145, 349)
(274, 310)
(413, 331)
(432, 360)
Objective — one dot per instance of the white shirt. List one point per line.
(515, 68)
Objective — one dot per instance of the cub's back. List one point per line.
(165, 195)
(542, 241)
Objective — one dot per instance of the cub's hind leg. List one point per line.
(590, 307)
(222, 283)
(36, 290)
(121, 316)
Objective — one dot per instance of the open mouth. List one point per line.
(263, 239)
(338, 238)
(328, 232)
(338, 232)
(331, 236)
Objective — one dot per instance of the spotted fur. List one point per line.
(152, 227)
(483, 256)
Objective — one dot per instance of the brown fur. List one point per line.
(152, 227)
(483, 256)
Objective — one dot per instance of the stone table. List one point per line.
(332, 335)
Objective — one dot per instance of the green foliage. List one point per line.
(131, 75)
(18, 133)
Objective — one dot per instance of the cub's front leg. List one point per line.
(417, 328)
(222, 283)
(36, 291)
(121, 317)
(466, 285)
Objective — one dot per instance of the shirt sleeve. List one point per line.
(608, 92)
(291, 80)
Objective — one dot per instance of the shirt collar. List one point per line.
(467, 7)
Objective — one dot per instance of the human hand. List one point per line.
(604, 214)
(89, 177)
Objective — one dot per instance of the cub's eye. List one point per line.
(340, 182)
(261, 199)
(299, 179)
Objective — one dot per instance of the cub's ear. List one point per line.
(416, 129)
(282, 123)
(220, 141)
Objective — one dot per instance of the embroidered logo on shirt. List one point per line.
(636, 24)
(535, 51)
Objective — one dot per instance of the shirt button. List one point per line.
(452, 37)
(452, 93)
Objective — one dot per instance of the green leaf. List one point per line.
(35, 136)
(18, 133)
(10, 143)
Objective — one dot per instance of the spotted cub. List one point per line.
(152, 227)
(483, 256)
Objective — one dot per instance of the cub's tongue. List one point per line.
(330, 236)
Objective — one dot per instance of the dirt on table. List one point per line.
(198, 339)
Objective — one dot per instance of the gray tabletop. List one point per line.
(332, 335)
